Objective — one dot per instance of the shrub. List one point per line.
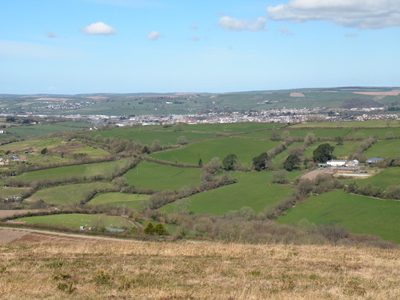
(149, 229)
(280, 177)
(159, 229)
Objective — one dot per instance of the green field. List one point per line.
(340, 151)
(386, 148)
(160, 177)
(8, 192)
(116, 132)
(252, 190)
(356, 213)
(92, 152)
(119, 199)
(380, 133)
(319, 133)
(231, 127)
(245, 150)
(66, 194)
(389, 176)
(165, 137)
(65, 172)
(76, 220)
(281, 157)
(37, 144)
(347, 124)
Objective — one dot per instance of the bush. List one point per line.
(280, 177)
(149, 229)
(159, 229)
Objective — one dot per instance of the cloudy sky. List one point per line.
(122, 46)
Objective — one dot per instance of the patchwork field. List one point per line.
(119, 199)
(36, 144)
(245, 150)
(76, 220)
(387, 148)
(380, 133)
(321, 133)
(64, 172)
(160, 177)
(92, 152)
(340, 151)
(252, 190)
(67, 194)
(356, 213)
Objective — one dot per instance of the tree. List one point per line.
(280, 177)
(285, 135)
(309, 139)
(291, 163)
(149, 229)
(182, 140)
(275, 136)
(259, 161)
(182, 206)
(213, 166)
(389, 135)
(323, 153)
(156, 146)
(159, 229)
(229, 162)
(44, 151)
(200, 163)
(178, 127)
(145, 150)
(339, 140)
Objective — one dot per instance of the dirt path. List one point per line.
(311, 175)
(18, 235)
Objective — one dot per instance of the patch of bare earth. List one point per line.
(15, 212)
(311, 175)
(296, 95)
(391, 93)
(66, 148)
(201, 270)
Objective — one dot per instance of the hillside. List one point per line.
(195, 270)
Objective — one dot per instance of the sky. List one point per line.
(133, 46)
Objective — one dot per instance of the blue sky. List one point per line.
(127, 46)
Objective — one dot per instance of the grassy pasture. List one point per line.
(356, 213)
(380, 133)
(8, 192)
(76, 220)
(389, 176)
(281, 157)
(160, 177)
(245, 150)
(386, 148)
(37, 130)
(252, 190)
(64, 172)
(36, 144)
(120, 131)
(347, 124)
(165, 137)
(66, 194)
(340, 151)
(231, 127)
(119, 199)
(92, 152)
(322, 133)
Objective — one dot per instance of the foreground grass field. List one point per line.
(251, 190)
(196, 270)
(64, 172)
(245, 150)
(76, 220)
(356, 213)
(119, 199)
(66, 194)
(160, 177)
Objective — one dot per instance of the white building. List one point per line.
(336, 163)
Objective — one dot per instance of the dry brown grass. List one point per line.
(195, 270)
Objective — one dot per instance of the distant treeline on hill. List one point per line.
(358, 102)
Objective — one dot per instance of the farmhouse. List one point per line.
(373, 160)
(336, 163)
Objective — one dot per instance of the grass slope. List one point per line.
(387, 148)
(252, 190)
(322, 133)
(356, 213)
(92, 152)
(119, 199)
(76, 220)
(160, 177)
(165, 137)
(64, 172)
(389, 176)
(66, 194)
(36, 144)
(245, 150)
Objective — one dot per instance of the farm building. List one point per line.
(373, 160)
(336, 163)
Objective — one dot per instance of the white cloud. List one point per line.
(98, 28)
(153, 35)
(50, 34)
(194, 26)
(285, 31)
(362, 14)
(194, 38)
(232, 24)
